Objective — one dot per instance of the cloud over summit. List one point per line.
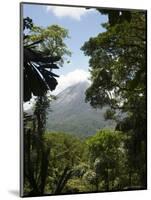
(71, 78)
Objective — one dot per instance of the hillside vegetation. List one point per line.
(97, 163)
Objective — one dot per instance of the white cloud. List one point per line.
(74, 13)
(28, 106)
(71, 78)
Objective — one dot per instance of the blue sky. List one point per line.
(81, 23)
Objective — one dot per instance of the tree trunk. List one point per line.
(107, 180)
(63, 180)
(44, 169)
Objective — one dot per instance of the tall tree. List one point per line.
(38, 80)
(118, 74)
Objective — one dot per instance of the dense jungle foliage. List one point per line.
(111, 159)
